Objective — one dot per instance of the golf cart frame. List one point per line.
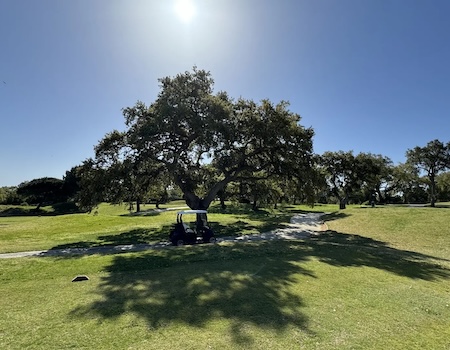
(182, 233)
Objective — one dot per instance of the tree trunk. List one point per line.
(382, 199)
(222, 203)
(342, 203)
(196, 203)
(432, 191)
(255, 204)
(138, 205)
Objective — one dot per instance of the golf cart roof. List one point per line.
(192, 212)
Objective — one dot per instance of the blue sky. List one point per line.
(367, 75)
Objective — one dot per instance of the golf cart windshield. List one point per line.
(201, 217)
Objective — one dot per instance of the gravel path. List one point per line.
(301, 226)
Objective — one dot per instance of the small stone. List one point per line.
(80, 278)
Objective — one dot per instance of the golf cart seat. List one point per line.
(187, 228)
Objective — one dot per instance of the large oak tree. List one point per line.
(191, 135)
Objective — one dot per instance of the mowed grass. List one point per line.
(102, 226)
(378, 279)
(114, 225)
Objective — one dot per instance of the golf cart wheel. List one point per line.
(212, 240)
(179, 242)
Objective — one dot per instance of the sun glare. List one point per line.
(185, 10)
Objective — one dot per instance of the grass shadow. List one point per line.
(343, 249)
(239, 227)
(148, 212)
(56, 210)
(139, 236)
(242, 283)
(233, 229)
(334, 216)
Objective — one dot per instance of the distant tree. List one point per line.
(42, 190)
(158, 190)
(72, 180)
(188, 130)
(8, 195)
(358, 177)
(135, 179)
(295, 189)
(433, 159)
(93, 183)
(405, 178)
(3, 194)
(259, 193)
(174, 193)
(374, 174)
(443, 186)
(341, 174)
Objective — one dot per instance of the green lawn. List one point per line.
(110, 225)
(378, 279)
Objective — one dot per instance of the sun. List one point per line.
(185, 10)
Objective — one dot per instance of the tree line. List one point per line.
(202, 146)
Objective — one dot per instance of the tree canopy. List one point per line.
(433, 159)
(191, 135)
(346, 174)
(39, 191)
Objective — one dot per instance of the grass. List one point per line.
(112, 225)
(106, 225)
(378, 279)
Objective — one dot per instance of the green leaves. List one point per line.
(347, 174)
(202, 141)
(38, 191)
(432, 159)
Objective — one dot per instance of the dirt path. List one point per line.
(301, 226)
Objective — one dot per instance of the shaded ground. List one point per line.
(56, 209)
(245, 284)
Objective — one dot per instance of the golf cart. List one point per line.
(182, 233)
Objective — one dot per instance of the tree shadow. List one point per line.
(56, 210)
(231, 229)
(147, 212)
(242, 283)
(343, 249)
(269, 220)
(239, 227)
(336, 215)
(18, 211)
(139, 236)
(234, 209)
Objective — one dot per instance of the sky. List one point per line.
(366, 75)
